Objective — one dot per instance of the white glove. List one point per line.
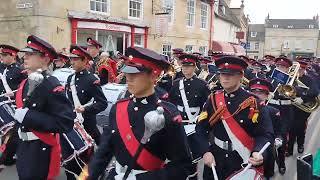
(120, 176)
(20, 114)
(298, 100)
(278, 142)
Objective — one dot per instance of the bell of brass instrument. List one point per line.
(289, 91)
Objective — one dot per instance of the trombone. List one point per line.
(289, 91)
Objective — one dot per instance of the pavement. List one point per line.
(311, 146)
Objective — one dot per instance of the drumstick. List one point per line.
(214, 172)
(259, 153)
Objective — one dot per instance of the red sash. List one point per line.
(146, 160)
(235, 127)
(47, 138)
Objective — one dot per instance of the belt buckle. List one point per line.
(227, 146)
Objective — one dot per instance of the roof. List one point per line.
(101, 17)
(260, 29)
(228, 16)
(292, 23)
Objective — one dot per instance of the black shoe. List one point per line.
(282, 170)
(300, 149)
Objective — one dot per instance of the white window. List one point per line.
(256, 46)
(275, 26)
(100, 6)
(138, 40)
(191, 12)
(189, 48)
(297, 44)
(204, 15)
(166, 49)
(135, 8)
(256, 57)
(169, 7)
(274, 44)
(309, 44)
(311, 26)
(203, 50)
(286, 44)
(254, 34)
(290, 27)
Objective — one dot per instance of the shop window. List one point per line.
(135, 8)
(100, 6)
(138, 40)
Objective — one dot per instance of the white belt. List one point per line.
(27, 136)
(192, 109)
(121, 170)
(223, 144)
(194, 113)
(280, 102)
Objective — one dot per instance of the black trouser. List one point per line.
(227, 162)
(298, 129)
(268, 164)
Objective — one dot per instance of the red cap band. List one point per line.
(142, 62)
(9, 51)
(259, 86)
(231, 66)
(41, 49)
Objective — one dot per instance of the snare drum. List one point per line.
(250, 174)
(113, 92)
(7, 120)
(62, 74)
(74, 143)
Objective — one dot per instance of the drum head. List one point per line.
(250, 174)
(62, 74)
(113, 92)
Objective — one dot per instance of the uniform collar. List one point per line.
(10, 66)
(83, 72)
(190, 79)
(145, 100)
(233, 94)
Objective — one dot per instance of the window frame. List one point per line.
(172, 11)
(169, 51)
(142, 40)
(205, 50)
(253, 34)
(256, 46)
(275, 26)
(207, 15)
(108, 2)
(192, 48)
(141, 11)
(194, 14)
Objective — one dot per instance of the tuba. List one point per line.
(289, 91)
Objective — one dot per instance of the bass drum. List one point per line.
(250, 174)
(62, 74)
(113, 92)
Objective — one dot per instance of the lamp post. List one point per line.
(247, 38)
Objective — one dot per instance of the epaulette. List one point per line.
(167, 107)
(96, 82)
(58, 89)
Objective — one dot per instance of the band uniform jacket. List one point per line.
(49, 112)
(88, 90)
(169, 143)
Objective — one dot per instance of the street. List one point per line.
(312, 144)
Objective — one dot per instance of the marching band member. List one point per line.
(82, 88)
(299, 124)
(93, 48)
(43, 112)
(285, 106)
(240, 126)
(165, 155)
(11, 77)
(62, 61)
(261, 88)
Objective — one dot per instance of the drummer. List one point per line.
(246, 129)
(84, 87)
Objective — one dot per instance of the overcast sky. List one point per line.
(279, 9)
